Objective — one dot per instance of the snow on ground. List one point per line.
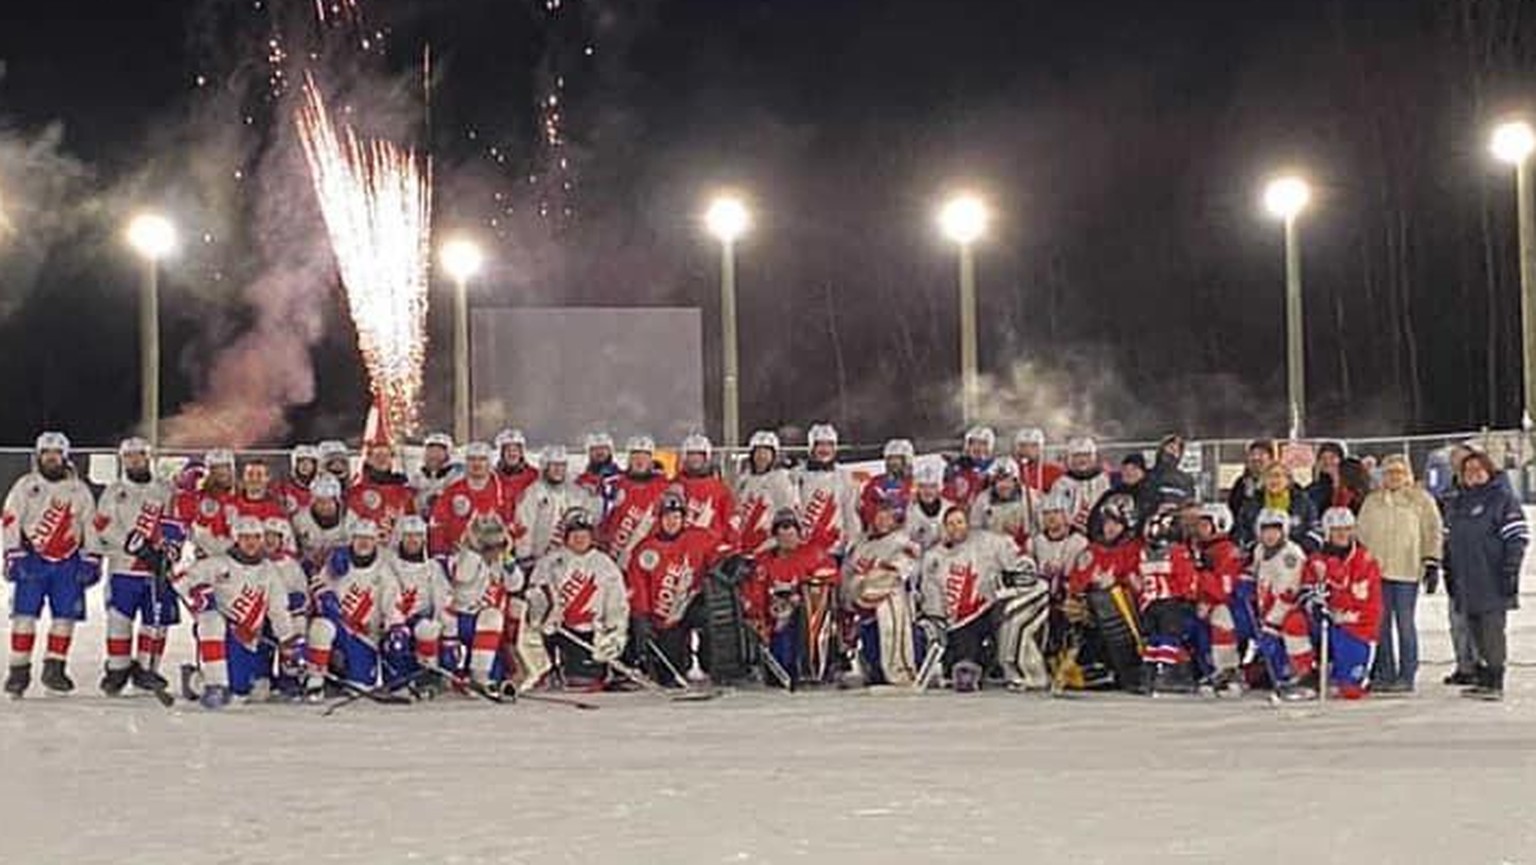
(766, 777)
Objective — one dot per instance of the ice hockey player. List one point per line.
(1099, 603)
(436, 472)
(894, 485)
(1348, 583)
(488, 589)
(381, 494)
(480, 491)
(544, 505)
(793, 594)
(828, 498)
(209, 515)
(924, 521)
(512, 466)
(967, 475)
(416, 609)
(255, 498)
(590, 602)
(710, 501)
(293, 491)
(1035, 470)
(665, 579)
(48, 513)
(135, 531)
(321, 528)
(349, 598)
(282, 553)
(1164, 585)
(239, 613)
(1084, 482)
(601, 474)
(336, 461)
(1055, 549)
(763, 490)
(636, 493)
(1005, 505)
(1224, 597)
(957, 587)
(1285, 636)
(878, 575)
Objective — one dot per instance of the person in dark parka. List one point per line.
(1486, 536)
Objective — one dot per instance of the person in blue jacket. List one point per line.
(1486, 535)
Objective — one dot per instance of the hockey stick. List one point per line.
(618, 666)
(682, 680)
(386, 689)
(771, 663)
(930, 665)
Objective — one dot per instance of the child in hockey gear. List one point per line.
(415, 608)
(480, 491)
(1029, 452)
(1055, 550)
(894, 486)
(293, 491)
(1348, 582)
(436, 472)
(636, 493)
(829, 499)
(589, 601)
(877, 578)
(321, 528)
(1219, 573)
(381, 494)
(1164, 585)
(969, 474)
(710, 501)
(1099, 605)
(924, 516)
(240, 612)
(136, 533)
(1085, 481)
(1005, 505)
(958, 584)
(512, 467)
(348, 624)
(48, 513)
(763, 490)
(665, 578)
(792, 596)
(544, 504)
(598, 480)
(280, 552)
(493, 606)
(1285, 635)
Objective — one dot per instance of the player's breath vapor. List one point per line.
(376, 200)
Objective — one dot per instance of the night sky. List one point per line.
(1131, 284)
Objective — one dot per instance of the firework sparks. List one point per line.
(375, 198)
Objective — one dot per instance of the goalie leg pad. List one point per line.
(1021, 619)
(1118, 634)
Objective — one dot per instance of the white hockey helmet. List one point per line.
(412, 524)
(597, 440)
(364, 529)
(1082, 446)
(1219, 514)
(697, 443)
(303, 452)
(640, 445)
(1003, 467)
(1060, 502)
(1030, 435)
(332, 449)
(246, 526)
(510, 437)
(764, 439)
(1272, 517)
(1338, 518)
(219, 457)
(275, 526)
(553, 455)
(438, 440)
(325, 487)
(821, 432)
(133, 445)
(928, 472)
(899, 448)
(53, 441)
(983, 434)
(478, 451)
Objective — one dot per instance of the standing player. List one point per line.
(601, 474)
(958, 585)
(925, 514)
(762, 491)
(967, 476)
(255, 498)
(48, 513)
(210, 512)
(544, 505)
(665, 578)
(349, 616)
(793, 594)
(1084, 482)
(1348, 579)
(877, 578)
(512, 466)
(381, 494)
(636, 494)
(336, 461)
(1037, 473)
(436, 472)
(1005, 506)
(303, 466)
(894, 485)
(136, 532)
(710, 503)
(828, 498)
(590, 602)
(479, 492)
(321, 528)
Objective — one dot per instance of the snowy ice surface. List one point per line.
(760, 777)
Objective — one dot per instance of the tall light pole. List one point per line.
(728, 219)
(462, 259)
(1285, 198)
(153, 237)
(964, 219)
(1512, 143)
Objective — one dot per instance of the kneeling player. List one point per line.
(877, 578)
(492, 606)
(1104, 625)
(415, 609)
(1349, 580)
(591, 606)
(1218, 575)
(240, 615)
(958, 586)
(1285, 637)
(1165, 593)
(665, 581)
(792, 596)
(349, 612)
(282, 553)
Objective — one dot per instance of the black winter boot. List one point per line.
(19, 680)
(1492, 689)
(54, 678)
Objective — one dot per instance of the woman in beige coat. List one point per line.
(1400, 525)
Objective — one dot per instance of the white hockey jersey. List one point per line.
(478, 582)
(588, 592)
(49, 518)
(428, 485)
(127, 507)
(249, 594)
(419, 590)
(925, 522)
(829, 507)
(1013, 517)
(317, 542)
(361, 591)
(960, 582)
(1280, 574)
(1056, 557)
(539, 512)
(876, 568)
(758, 497)
(1084, 493)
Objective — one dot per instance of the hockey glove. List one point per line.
(13, 568)
(397, 645)
(200, 598)
(1431, 576)
(934, 629)
(340, 562)
(607, 645)
(450, 654)
(329, 605)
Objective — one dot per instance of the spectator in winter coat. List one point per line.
(1448, 484)
(1486, 536)
(1249, 487)
(1169, 484)
(1325, 476)
(1285, 495)
(1400, 525)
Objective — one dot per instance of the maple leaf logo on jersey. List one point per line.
(407, 603)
